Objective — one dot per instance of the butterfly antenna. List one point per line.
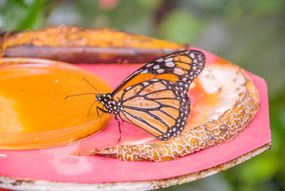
(74, 95)
(90, 108)
(91, 85)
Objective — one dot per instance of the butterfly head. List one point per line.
(99, 97)
(108, 102)
(103, 98)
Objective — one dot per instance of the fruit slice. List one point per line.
(78, 45)
(34, 112)
(225, 103)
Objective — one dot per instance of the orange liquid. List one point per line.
(33, 110)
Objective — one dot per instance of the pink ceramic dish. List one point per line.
(59, 168)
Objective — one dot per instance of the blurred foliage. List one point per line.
(19, 15)
(247, 32)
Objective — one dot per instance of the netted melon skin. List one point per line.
(216, 131)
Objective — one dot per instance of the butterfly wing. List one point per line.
(174, 67)
(157, 107)
(155, 96)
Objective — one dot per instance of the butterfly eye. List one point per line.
(98, 97)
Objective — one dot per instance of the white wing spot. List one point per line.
(156, 67)
(170, 64)
(168, 59)
(160, 70)
(159, 60)
(145, 71)
(178, 71)
(149, 65)
(145, 83)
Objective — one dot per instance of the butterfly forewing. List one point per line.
(185, 64)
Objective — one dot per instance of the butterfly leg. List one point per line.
(119, 125)
(99, 108)
(90, 108)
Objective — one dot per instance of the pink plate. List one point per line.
(58, 168)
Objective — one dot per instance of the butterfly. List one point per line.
(154, 97)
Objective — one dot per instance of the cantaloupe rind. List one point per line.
(237, 106)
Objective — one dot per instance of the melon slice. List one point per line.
(81, 45)
(228, 102)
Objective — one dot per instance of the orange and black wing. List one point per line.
(155, 96)
(157, 107)
(182, 66)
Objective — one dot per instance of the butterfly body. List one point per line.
(155, 96)
(109, 103)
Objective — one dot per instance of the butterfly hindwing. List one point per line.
(157, 108)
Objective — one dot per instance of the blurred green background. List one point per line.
(249, 33)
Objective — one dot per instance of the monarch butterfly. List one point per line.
(155, 96)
